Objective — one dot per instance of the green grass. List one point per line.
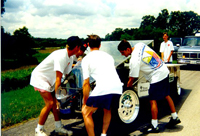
(14, 79)
(20, 102)
(20, 105)
(40, 56)
(18, 74)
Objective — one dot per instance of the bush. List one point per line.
(12, 80)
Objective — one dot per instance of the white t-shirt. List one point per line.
(44, 75)
(100, 66)
(166, 48)
(144, 59)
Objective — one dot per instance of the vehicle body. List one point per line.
(177, 42)
(129, 101)
(189, 52)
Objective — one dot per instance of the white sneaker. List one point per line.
(40, 132)
(62, 130)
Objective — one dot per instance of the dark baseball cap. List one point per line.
(73, 41)
(84, 46)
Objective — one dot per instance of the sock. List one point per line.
(103, 134)
(58, 124)
(154, 122)
(174, 115)
(40, 126)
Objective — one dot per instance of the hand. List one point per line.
(79, 59)
(168, 59)
(57, 104)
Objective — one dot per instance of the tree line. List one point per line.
(177, 24)
(18, 48)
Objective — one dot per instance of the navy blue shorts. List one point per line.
(159, 90)
(104, 101)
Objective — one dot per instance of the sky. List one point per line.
(64, 18)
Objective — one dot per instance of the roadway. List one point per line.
(187, 106)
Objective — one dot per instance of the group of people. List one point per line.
(46, 78)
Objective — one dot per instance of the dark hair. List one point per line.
(123, 45)
(165, 33)
(73, 41)
(94, 41)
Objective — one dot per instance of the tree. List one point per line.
(23, 43)
(185, 23)
(16, 49)
(2, 6)
(162, 19)
(116, 34)
(147, 20)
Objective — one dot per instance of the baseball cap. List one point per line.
(73, 41)
(84, 46)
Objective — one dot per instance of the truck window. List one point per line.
(193, 41)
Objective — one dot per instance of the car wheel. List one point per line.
(128, 106)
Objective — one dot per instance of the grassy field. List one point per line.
(21, 103)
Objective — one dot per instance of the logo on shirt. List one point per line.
(152, 59)
(168, 44)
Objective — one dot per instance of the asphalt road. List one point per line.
(187, 106)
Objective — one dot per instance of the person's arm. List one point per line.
(58, 80)
(86, 90)
(130, 82)
(168, 59)
(162, 56)
(57, 84)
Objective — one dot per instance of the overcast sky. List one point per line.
(64, 18)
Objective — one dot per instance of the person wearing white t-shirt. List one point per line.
(46, 78)
(166, 49)
(100, 66)
(145, 60)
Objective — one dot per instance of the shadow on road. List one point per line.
(191, 67)
(118, 128)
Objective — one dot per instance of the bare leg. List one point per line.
(48, 99)
(88, 120)
(55, 111)
(171, 103)
(154, 109)
(106, 120)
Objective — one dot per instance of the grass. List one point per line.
(44, 53)
(40, 56)
(14, 79)
(20, 105)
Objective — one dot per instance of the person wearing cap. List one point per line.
(145, 60)
(46, 78)
(100, 66)
(80, 54)
(166, 49)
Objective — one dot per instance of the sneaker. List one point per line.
(61, 130)
(40, 132)
(150, 129)
(173, 122)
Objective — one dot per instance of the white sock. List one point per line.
(40, 126)
(154, 122)
(58, 124)
(103, 134)
(174, 115)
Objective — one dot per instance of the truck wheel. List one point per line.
(175, 89)
(128, 106)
